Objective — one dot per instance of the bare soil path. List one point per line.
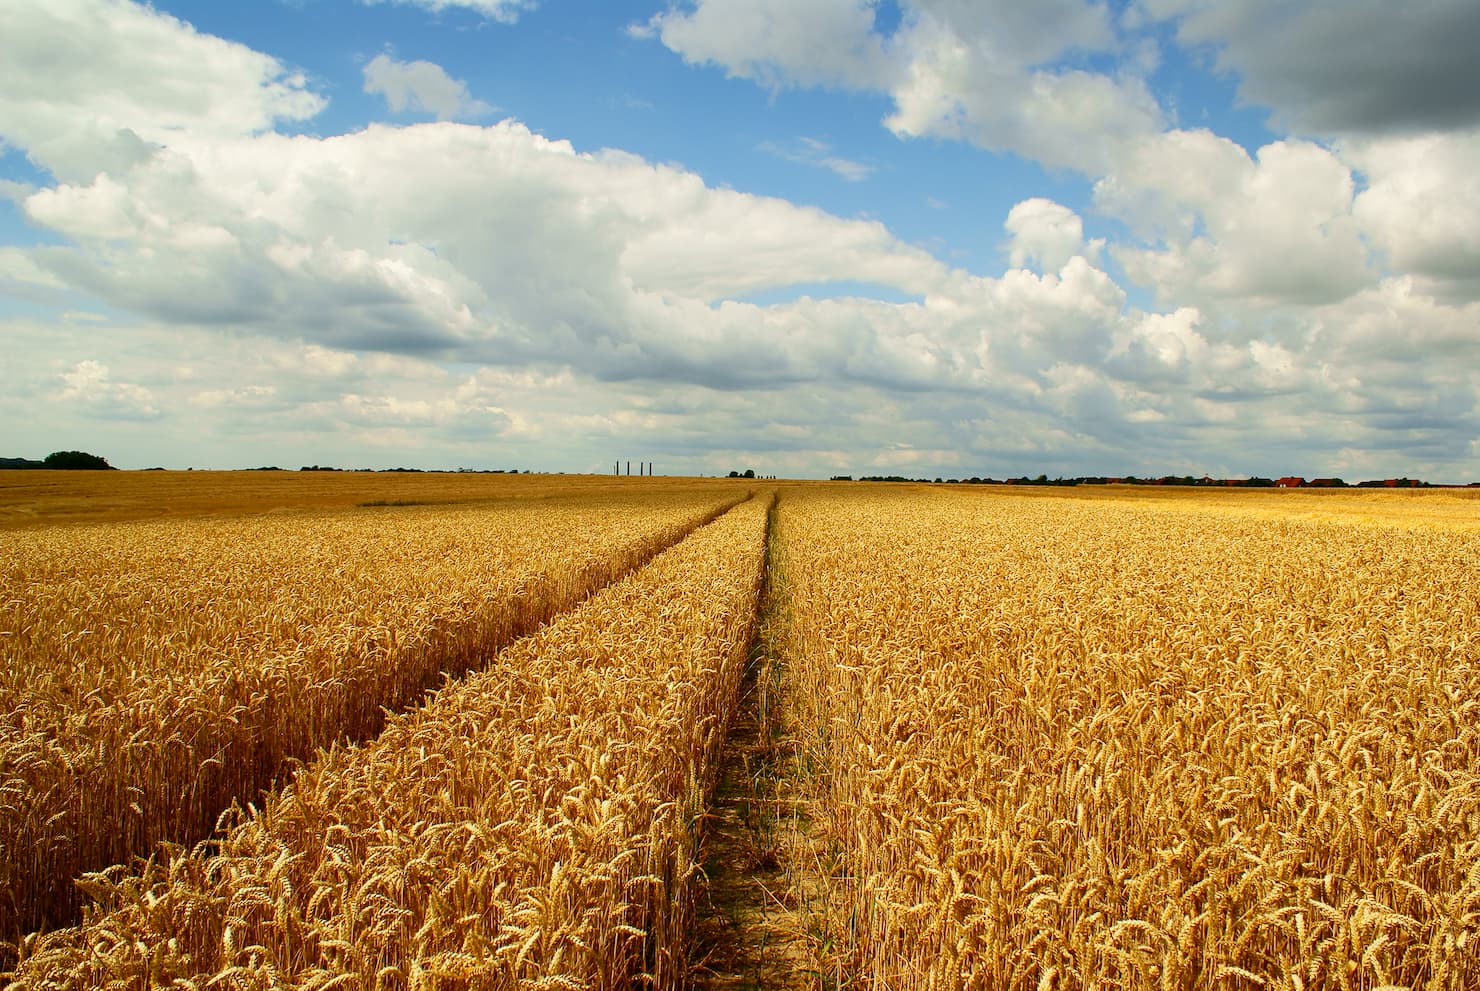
(751, 930)
(751, 919)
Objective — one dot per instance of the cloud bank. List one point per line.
(430, 292)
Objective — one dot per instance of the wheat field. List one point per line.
(531, 826)
(1062, 739)
(151, 674)
(32, 499)
(1100, 743)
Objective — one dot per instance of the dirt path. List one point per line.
(752, 925)
(751, 932)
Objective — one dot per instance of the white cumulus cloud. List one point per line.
(779, 43)
(1421, 207)
(993, 74)
(472, 289)
(1274, 227)
(96, 85)
(1045, 234)
(422, 87)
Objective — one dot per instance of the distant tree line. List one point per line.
(61, 461)
(1257, 482)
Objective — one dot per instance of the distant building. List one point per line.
(1290, 482)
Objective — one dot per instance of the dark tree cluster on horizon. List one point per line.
(1256, 482)
(60, 461)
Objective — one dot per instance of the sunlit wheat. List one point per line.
(533, 826)
(151, 674)
(1069, 743)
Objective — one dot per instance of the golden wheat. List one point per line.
(152, 674)
(532, 826)
(1070, 743)
(31, 499)
(1125, 740)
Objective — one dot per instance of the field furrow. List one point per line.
(532, 826)
(151, 675)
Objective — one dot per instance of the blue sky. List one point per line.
(572, 71)
(933, 237)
